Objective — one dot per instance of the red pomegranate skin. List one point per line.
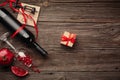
(6, 57)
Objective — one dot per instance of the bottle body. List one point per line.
(12, 24)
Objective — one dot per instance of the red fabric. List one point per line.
(25, 16)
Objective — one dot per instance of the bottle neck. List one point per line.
(39, 49)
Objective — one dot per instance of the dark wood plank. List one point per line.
(92, 76)
(76, 1)
(80, 12)
(65, 76)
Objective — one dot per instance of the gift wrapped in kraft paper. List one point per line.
(68, 39)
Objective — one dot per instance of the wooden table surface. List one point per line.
(96, 53)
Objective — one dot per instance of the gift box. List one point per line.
(34, 16)
(68, 39)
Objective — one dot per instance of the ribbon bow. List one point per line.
(68, 39)
(25, 16)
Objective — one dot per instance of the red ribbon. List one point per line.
(25, 16)
(68, 39)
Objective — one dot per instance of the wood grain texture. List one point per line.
(96, 53)
(65, 76)
(80, 12)
(82, 1)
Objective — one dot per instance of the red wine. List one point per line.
(12, 24)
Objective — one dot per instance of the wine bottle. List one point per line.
(12, 24)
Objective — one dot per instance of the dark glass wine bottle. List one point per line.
(12, 24)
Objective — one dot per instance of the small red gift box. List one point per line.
(68, 39)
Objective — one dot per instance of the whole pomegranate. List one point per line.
(6, 57)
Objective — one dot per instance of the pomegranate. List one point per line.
(19, 71)
(6, 57)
